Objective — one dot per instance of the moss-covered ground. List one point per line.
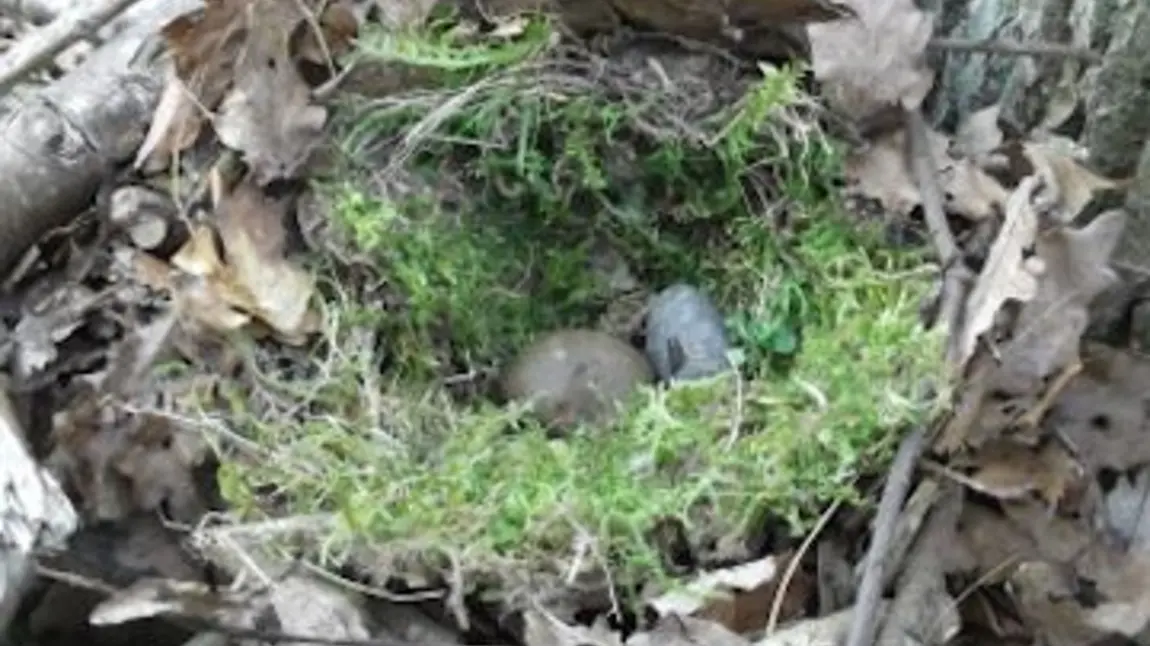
(478, 203)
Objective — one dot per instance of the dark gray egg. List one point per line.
(686, 336)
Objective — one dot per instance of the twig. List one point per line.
(893, 494)
(793, 566)
(1014, 48)
(38, 47)
(955, 275)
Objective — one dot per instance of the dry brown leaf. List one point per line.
(206, 295)
(979, 134)
(1008, 470)
(278, 292)
(1103, 412)
(1071, 185)
(269, 115)
(1044, 593)
(1007, 275)
(176, 124)
(738, 597)
(875, 60)
(338, 26)
(203, 46)
(971, 192)
(880, 172)
(1048, 592)
(1077, 269)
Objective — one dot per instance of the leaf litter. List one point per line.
(1040, 446)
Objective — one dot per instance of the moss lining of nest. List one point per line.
(527, 151)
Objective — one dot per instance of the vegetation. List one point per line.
(738, 199)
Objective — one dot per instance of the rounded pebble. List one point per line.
(686, 336)
(576, 376)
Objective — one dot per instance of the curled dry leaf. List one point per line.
(255, 281)
(1007, 275)
(279, 292)
(738, 597)
(269, 115)
(1008, 470)
(874, 60)
(979, 135)
(203, 46)
(1070, 184)
(881, 172)
(1077, 269)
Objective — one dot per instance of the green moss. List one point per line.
(825, 320)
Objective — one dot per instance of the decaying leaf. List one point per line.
(255, 281)
(1103, 412)
(881, 172)
(269, 115)
(1076, 269)
(1070, 184)
(239, 53)
(874, 60)
(1007, 275)
(979, 134)
(280, 293)
(1125, 511)
(738, 597)
(1008, 470)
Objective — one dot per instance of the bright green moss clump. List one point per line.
(835, 364)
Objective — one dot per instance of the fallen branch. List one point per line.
(57, 144)
(37, 48)
(956, 276)
(894, 492)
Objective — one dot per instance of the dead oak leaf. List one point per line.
(979, 134)
(1008, 470)
(269, 115)
(1071, 185)
(251, 227)
(205, 294)
(1007, 274)
(971, 192)
(203, 45)
(874, 60)
(1076, 269)
(880, 171)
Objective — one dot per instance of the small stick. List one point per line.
(863, 624)
(955, 275)
(37, 48)
(793, 566)
(1014, 48)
